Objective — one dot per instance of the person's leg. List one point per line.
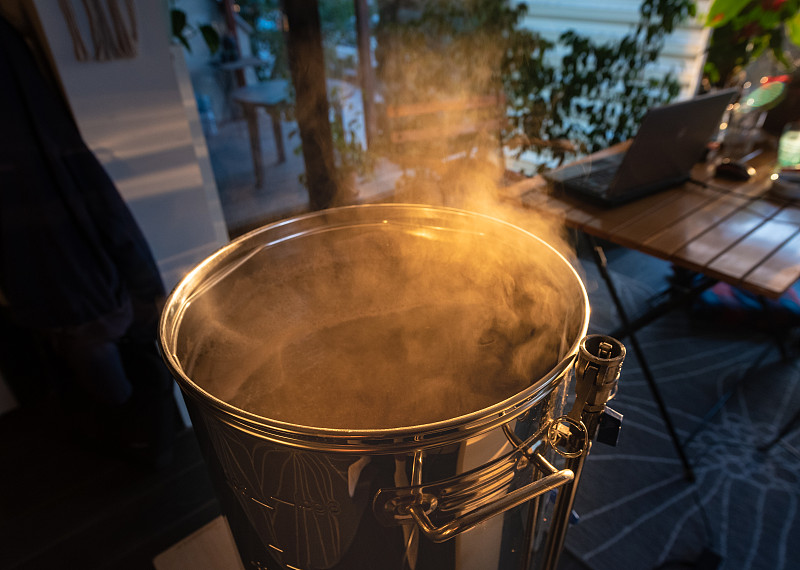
(153, 411)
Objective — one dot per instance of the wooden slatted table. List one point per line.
(736, 232)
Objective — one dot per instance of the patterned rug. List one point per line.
(637, 511)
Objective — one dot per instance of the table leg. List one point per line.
(251, 115)
(773, 330)
(673, 298)
(600, 260)
(277, 132)
(722, 400)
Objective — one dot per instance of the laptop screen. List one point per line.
(670, 141)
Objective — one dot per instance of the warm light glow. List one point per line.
(774, 176)
(764, 80)
(723, 126)
(423, 233)
(747, 85)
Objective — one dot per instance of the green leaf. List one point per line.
(722, 11)
(211, 38)
(178, 24)
(793, 29)
(178, 21)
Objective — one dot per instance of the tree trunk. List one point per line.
(307, 66)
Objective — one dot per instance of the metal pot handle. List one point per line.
(554, 479)
(597, 371)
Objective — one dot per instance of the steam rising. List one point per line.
(441, 61)
(379, 325)
(390, 323)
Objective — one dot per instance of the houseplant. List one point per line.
(599, 93)
(743, 31)
(594, 97)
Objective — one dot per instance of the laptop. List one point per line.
(670, 141)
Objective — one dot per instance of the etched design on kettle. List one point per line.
(297, 502)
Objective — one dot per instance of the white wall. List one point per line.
(141, 122)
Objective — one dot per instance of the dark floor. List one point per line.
(63, 505)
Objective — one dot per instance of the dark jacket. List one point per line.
(70, 250)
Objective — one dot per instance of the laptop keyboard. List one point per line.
(597, 179)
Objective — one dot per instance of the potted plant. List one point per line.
(743, 31)
(595, 97)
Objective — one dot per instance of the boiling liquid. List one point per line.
(369, 333)
(403, 368)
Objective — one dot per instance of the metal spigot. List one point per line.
(597, 370)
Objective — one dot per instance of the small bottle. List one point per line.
(789, 146)
(786, 179)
